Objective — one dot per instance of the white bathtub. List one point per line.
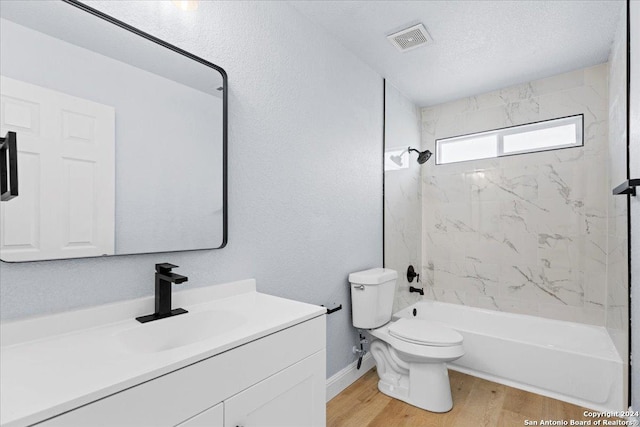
(569, 361)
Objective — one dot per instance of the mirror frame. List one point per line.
(162, 43)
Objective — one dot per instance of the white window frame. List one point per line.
(577, 119)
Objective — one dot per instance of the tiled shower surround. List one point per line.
(525, 233)
(402, 196)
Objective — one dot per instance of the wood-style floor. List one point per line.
(476, 403)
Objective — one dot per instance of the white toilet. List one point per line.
(410, 353)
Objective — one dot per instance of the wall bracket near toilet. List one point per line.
(334, 309)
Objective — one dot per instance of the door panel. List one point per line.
(66, 163)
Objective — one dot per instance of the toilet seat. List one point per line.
(424, 332)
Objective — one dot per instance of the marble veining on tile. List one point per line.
(522, 233)
(402, 199)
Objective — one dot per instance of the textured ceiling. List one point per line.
(479, 46)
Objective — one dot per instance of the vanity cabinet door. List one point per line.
(294, 397)
(212, 417)
(175, 397)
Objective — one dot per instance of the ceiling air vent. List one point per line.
(410, 38)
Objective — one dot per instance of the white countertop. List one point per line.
(51, 364)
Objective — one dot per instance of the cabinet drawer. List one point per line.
(294, 397)
(179, 395)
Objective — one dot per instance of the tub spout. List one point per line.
(418, 290)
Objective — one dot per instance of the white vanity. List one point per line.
(238, 358)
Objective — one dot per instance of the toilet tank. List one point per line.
(372, 293)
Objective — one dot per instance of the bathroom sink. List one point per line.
(178, 331)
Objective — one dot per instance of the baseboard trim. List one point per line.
(347, 376)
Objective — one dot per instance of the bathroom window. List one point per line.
(540, 136)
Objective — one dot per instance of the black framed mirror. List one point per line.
(122, 137)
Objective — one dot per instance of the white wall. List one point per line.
(305, 184)
(402, 221)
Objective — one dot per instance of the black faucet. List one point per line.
(164, 279)
(418, 290)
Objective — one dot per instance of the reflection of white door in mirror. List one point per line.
(66, 169)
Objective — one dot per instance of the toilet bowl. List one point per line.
(410, 354)
(412, 367)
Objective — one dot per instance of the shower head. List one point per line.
(423, 156)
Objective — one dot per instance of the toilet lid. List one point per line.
(425, 332)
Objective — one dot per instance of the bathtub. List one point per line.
(568, 361)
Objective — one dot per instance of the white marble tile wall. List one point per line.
(617, 294)
(525, 233)
(402, 222)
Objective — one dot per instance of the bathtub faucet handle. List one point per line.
(411, 274)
